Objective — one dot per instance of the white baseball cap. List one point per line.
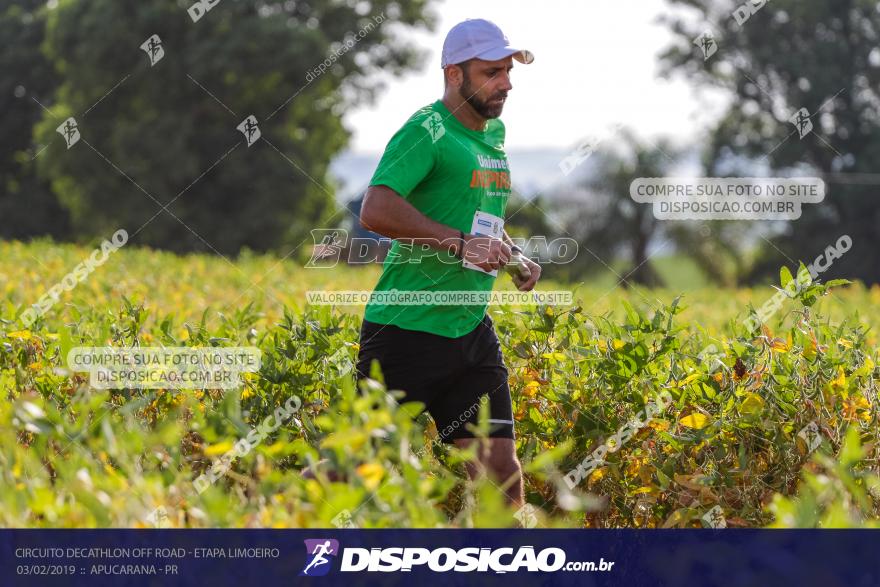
(481, 39)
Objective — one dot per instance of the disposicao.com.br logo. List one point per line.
(442, 560)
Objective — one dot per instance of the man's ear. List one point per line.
(454, 76)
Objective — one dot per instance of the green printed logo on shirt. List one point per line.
(448, 172)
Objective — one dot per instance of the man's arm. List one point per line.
(385, 212)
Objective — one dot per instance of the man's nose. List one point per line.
(506, 84)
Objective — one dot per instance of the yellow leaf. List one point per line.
(690, 378)
(839, 382)
(810, 351)
(531, 388)
(777, 344)
(634, 465)
(218, 449)
(659, 425)
(371, 473)
(596, 475)
(531, 374)
(22, 334)
(752, 404)
(677, 518)
(353, 439)
(847, 344)
(697, 421)
(690, 481)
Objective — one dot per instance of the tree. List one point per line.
(27, 205)
(165, 135)
(774, 60)
(608, 223)
(724, 250)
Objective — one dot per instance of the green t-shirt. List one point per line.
(447, 172)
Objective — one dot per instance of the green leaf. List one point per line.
(837, 282)
(663, 479)
(851, 452)
(549, 457)
(803, 275)
(784, 276)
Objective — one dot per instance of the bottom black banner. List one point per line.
(461, 557)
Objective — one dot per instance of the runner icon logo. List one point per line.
(154, 50)
(434, 125)
(318, 553)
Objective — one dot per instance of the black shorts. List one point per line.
(450, 376)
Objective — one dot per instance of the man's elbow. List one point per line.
(369, 217)
(366, 219)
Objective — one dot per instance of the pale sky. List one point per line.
(595, 66)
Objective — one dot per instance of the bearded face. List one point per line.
(485, 85)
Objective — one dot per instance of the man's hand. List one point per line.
(528, 284)
(486, 252)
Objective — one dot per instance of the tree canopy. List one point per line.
(157, 97)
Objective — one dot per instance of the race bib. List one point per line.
(485, 224)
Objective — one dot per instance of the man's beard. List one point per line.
(484, 108)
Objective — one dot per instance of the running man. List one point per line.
(319, 552)
(440, 192)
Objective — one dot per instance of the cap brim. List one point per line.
(521, 55)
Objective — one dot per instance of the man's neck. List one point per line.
(464, 112)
